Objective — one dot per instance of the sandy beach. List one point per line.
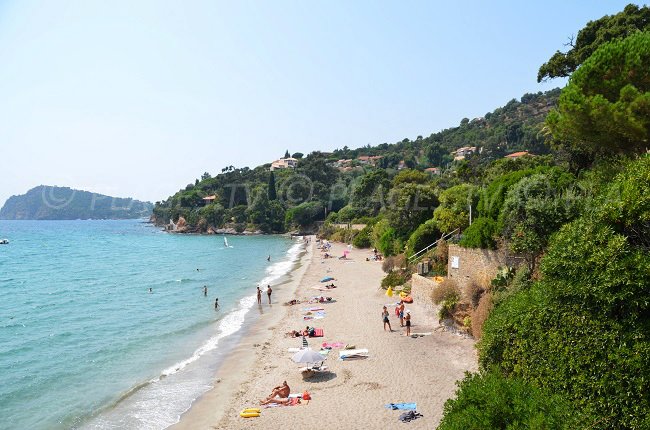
(353, 394)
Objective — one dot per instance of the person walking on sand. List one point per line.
(216, 304)
(259, 295)
(408, 323)
(268, 293)
(384, 317)
(401, 313)
(205, 290)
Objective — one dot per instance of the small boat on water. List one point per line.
(4, 242)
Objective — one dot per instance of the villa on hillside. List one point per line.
(284, 163)
(209, 199)
(462, 153)
(517, 154)
(369, 159)
(433, 170)
(342, 163)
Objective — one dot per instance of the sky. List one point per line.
(139, 98)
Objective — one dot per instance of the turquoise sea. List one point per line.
(85, 344)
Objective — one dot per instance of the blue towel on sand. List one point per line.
(402, 406)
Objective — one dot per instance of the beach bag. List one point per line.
(306, 395)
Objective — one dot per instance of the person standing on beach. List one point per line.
(384, 317)
(216, 304)
(205, 290)
(259, 295)
(408, 323)
(401, 313)
(268, 293)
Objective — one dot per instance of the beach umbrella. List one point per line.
(307, 355)
(389, 292)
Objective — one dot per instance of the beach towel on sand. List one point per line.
(402, 406)
(318, 332)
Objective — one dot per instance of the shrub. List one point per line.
(481, 234)
(516, 282)
(447, 291)
(491, 401)
(362, 239)
(393, 279)
(388, 264)
(476, 288)
(480, 314)
(400, 261)
(423, 236)
(387, 242)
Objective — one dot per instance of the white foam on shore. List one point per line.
(234, 320)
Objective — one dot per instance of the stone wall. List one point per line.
(466, 264)
(421, 289)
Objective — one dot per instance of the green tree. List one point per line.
(453, 211)
(298, 155)
(435, 154)
(605, 108)
(286, 154)
(534, 208)
(272, 193)
(596, 33)
(305, 214)
(409, 176)
(409, 206)
(368, 193)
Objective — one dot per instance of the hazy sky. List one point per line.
(139, 98)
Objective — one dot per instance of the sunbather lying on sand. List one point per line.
(285, 401)
(281, 391)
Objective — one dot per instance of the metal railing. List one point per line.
(422, 251)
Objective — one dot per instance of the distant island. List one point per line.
(62, 203)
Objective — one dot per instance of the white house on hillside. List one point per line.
(284, 163)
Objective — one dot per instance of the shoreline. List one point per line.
(353, 394)
(210, 407)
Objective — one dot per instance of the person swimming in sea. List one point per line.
(205, 290)
(216, 304)
(268, 258)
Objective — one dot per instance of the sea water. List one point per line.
(104, 324)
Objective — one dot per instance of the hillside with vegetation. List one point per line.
(322, 183)
(560, 179)
(63, 203)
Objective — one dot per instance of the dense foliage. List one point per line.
(481, 234)
(583, 329)
(490, 401)
(53, 203)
